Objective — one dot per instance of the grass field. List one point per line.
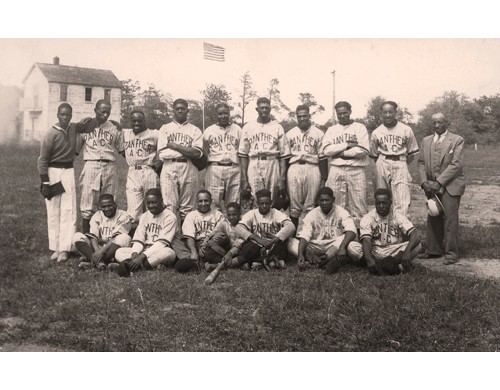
(61, 307)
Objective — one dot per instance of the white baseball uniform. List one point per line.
(179, 179)
(140, 153)
(264, 144)
(275, 222)
(99, 176)
(225, 229)
(155, 236)
(197, 225)
(326, 232)
(390, 148)
(386, 233)
(55, 164)
(105, 229)
(222, 177)
(347, 176)
(303, 176)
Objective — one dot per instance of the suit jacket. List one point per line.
(451, 163)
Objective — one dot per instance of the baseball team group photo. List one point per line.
(270, 212)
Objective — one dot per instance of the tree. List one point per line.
(213, 94)
(130, 91)
(155, 106)
(277, 104)
(246, 96)
(309, 100)
(373, 119)
(476, 121)
(195, 113)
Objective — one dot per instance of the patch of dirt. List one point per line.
(478, 268)
(30, 348)
(478, 206)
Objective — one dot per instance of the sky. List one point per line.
(409, 71)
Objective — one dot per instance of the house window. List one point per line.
(63, 96)
(88, 94)
(107, 95)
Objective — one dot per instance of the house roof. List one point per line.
(75, 75)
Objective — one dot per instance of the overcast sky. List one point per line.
(409, 71)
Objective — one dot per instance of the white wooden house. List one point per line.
(48, 85)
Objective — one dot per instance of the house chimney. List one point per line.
(56, 60)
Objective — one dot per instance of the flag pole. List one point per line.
(333, 104)
(203, 110)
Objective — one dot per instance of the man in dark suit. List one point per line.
(440, 168)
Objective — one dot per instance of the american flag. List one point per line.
(212, 52)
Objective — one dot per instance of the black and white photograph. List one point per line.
(214, 193)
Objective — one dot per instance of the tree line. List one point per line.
(477, 120)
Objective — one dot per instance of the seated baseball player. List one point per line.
(327, 236)
(197, 224)
(222, 244)
(154, 241)
(109, 229)
(265, 231)
(382, 232)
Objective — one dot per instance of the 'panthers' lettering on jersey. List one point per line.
(398, 141)
(320, 226)
(140, 148)
(263, 139)
(102, 142)
(305, 145)
(385, 230)
(104, 229)
(153, 228)
(197, 225)
(221, 144)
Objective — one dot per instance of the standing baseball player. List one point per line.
(221, 142)
(263, 152)
(347, 144)
(101, 144)
(393, 146)
(154, 241)
(440, 166)
(55, 164)
(381, 238)
(140, 145)
(109, 229)
(178, 143)
(198, 224)
(326, 237)
(265, 231)
(308, 169)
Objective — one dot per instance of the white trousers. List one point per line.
(61, 210)
(330, 247)
(164, 255)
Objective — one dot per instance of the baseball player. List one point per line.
(100, 146)
(382, 232)
(109, 229)
(265, 231)
(154, 241)
(140, 144)
(393, 146)
(347, 144)
(221, 142)
(55, 164)
(198, 224)
(263, 152)
(326, 237)
(178, 143)
(308, 169)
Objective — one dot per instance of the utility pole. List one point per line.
(333, 103)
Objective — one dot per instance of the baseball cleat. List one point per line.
(63, 256)
(54, 256)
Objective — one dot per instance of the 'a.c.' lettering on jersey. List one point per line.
(261, 140)
(139, 147)
(98, 136)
